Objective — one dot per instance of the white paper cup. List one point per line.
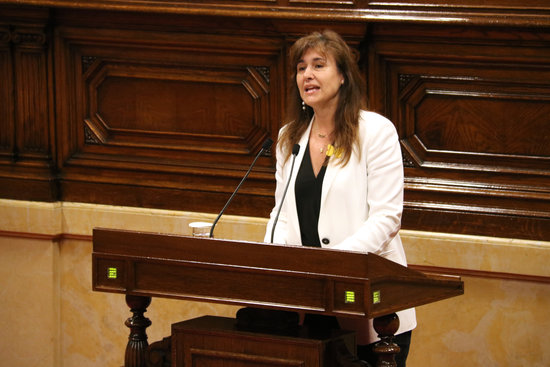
(200, 229)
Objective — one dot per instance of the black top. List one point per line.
(308, 200)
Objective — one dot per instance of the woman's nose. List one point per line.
(308, 73)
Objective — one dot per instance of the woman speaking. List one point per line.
(346, 191)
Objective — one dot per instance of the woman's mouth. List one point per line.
(310, 89)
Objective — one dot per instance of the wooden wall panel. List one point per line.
(26, 125)
(165, 104)
(181, 111)
(170, 111)
(7, 125)
(473, 114)
(31, 96)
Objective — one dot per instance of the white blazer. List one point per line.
(361, 205)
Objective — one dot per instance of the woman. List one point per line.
(347, 190)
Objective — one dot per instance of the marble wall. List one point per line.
(52, 318)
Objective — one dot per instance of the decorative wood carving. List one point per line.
(470, 112)
(534, 13)
(87, 61)
(183, 109)
(386, 327)
(136, 349)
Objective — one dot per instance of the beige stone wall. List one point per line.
(502, 318)
(51, 317)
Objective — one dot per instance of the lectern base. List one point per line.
(211, 341)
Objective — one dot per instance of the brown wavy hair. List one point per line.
(350, 98)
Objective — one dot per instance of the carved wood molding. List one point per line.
(482, 274)
(28, 37)
(469, 113)
(180, 108)
(447, 124)
(529, 13)
(174, 113)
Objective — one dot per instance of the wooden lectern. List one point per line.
(263, 276)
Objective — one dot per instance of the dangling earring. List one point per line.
(303, 106)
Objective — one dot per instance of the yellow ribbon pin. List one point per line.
(332, 151)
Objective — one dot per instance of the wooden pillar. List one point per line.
(137, 341)
(386, 350)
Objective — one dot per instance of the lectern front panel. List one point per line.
(261, 275)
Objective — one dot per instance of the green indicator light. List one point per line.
(376, 297)
(350, 297)
(112, 273)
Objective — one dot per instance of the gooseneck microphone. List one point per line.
(295, 151)
(265, 147)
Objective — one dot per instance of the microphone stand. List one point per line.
(265, 146)
(295, 150)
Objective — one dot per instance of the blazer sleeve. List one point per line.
(384, 184)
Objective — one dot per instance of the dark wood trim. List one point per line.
(437, 12)
(482, 274)
(492, 222)
(58, 237)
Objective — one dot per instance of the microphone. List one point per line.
(267, 144)
(295, 150)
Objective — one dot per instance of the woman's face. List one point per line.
(318, 79)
